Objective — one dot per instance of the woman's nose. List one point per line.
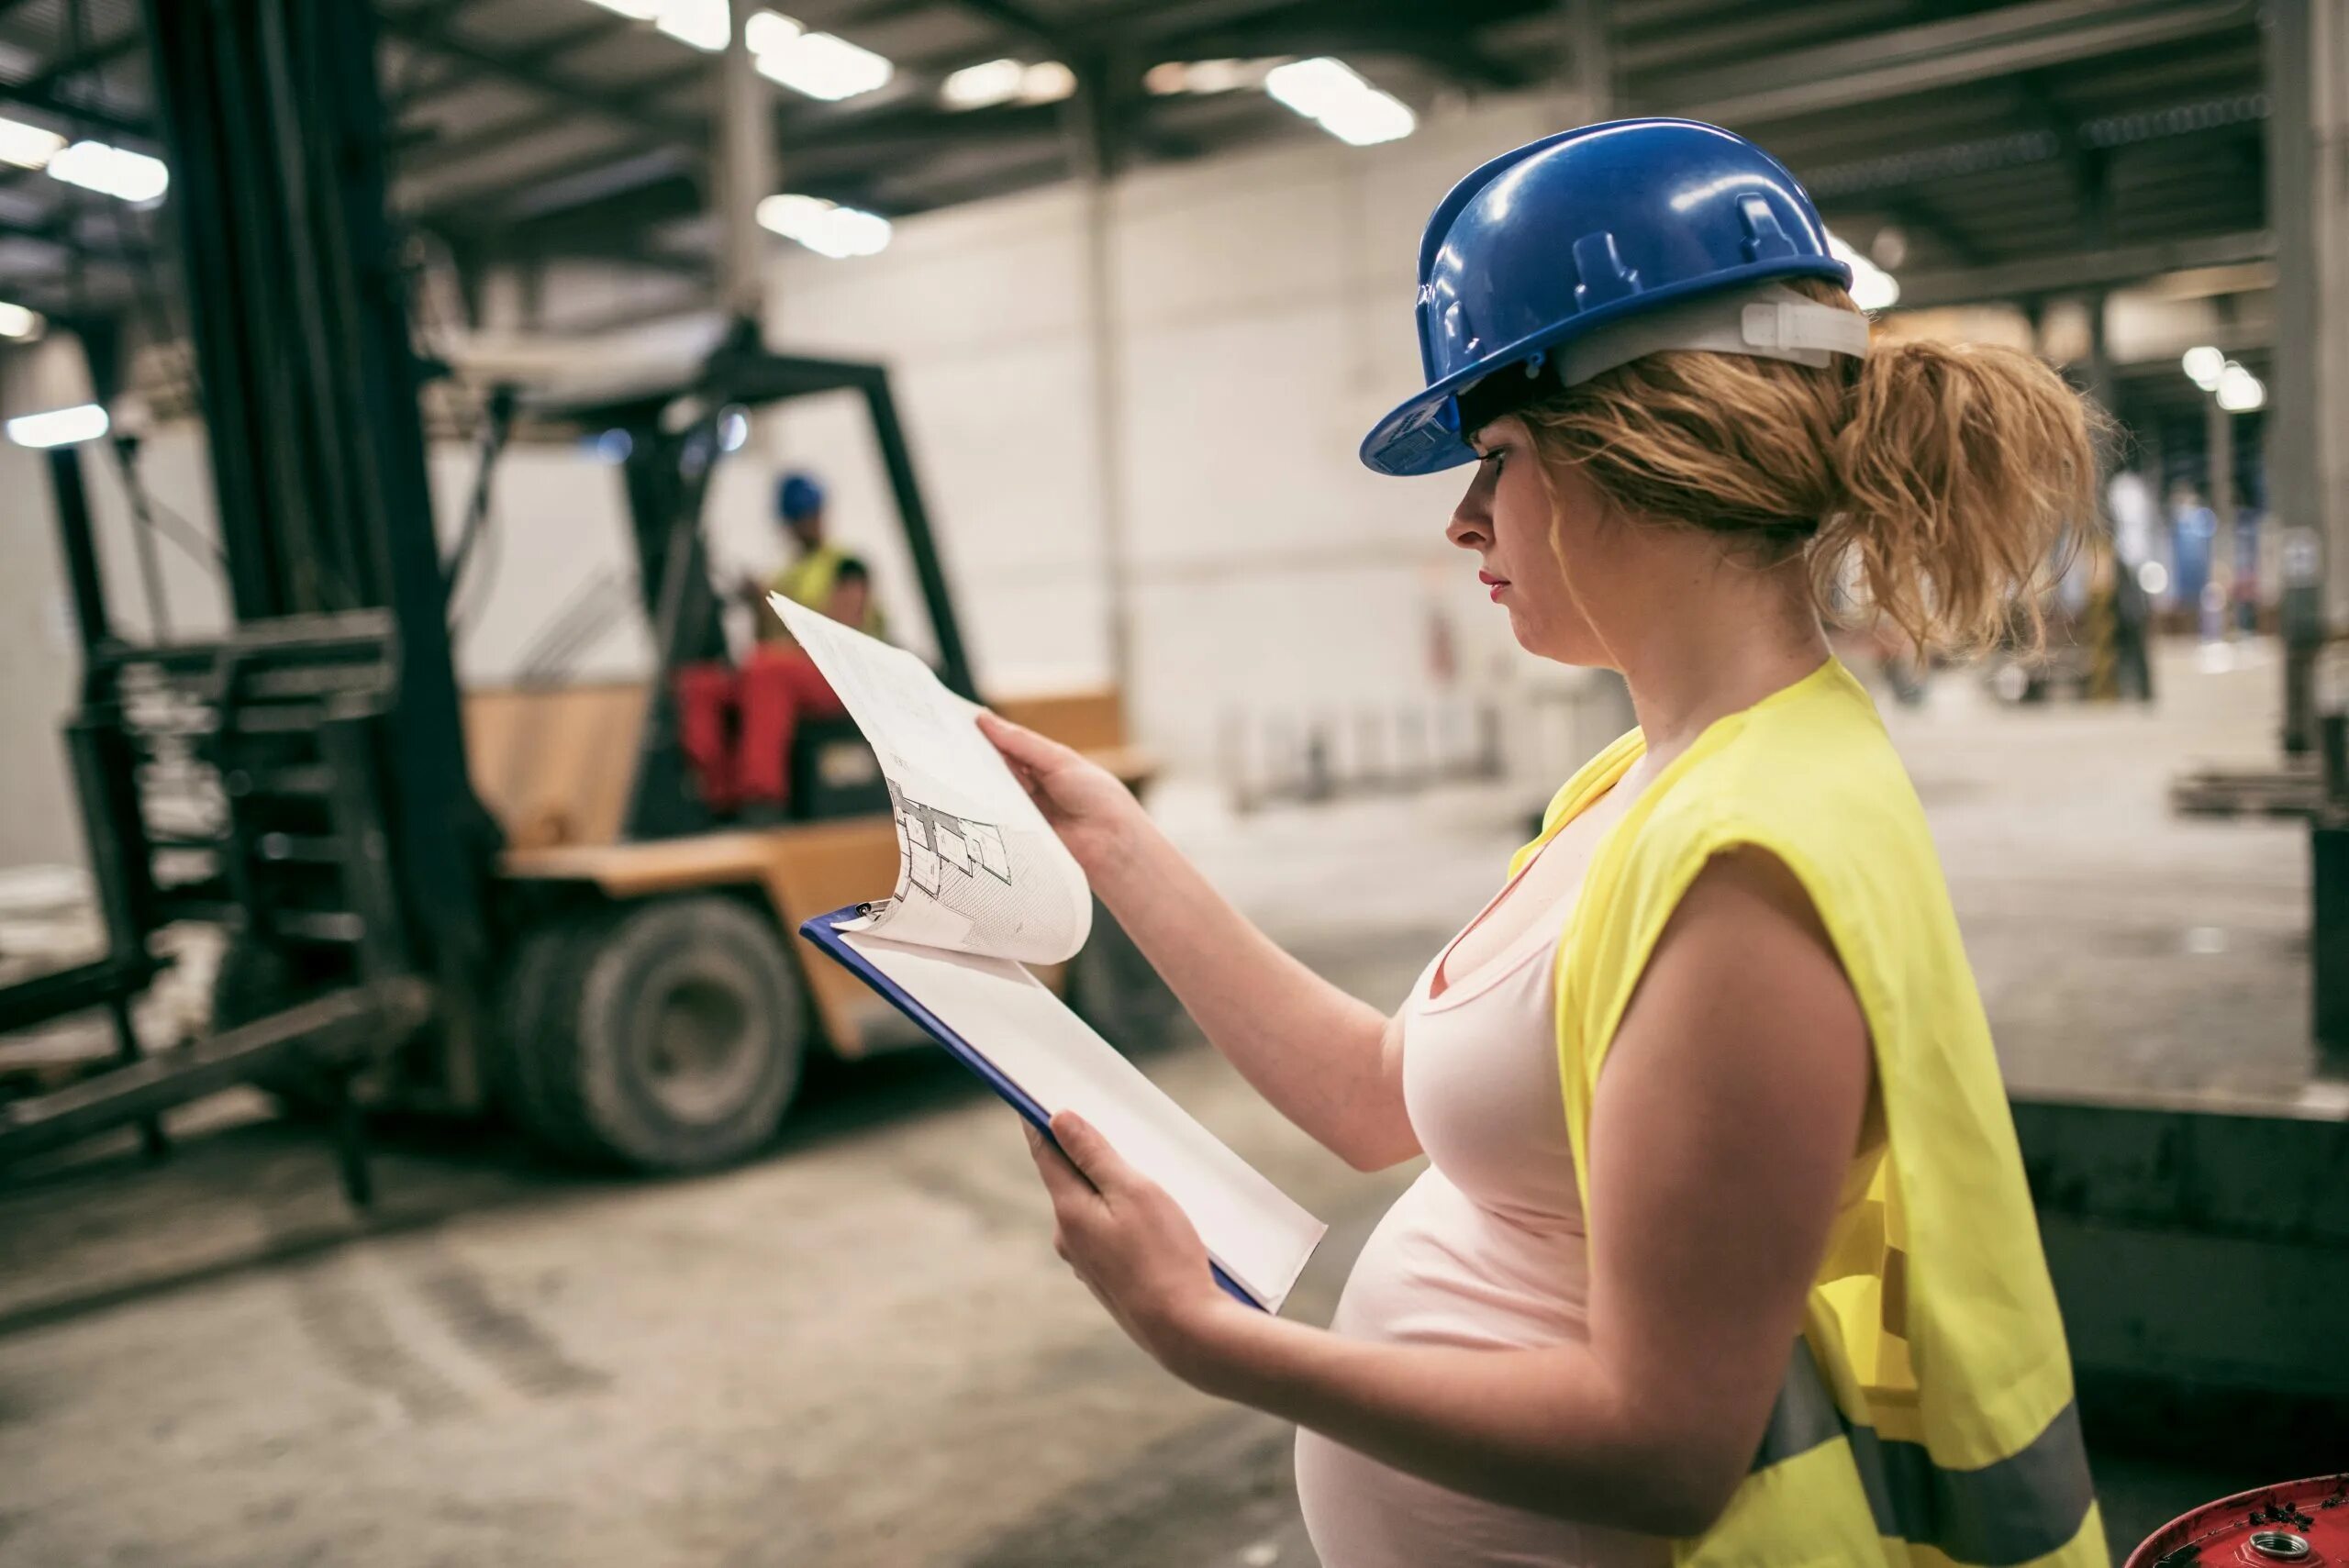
(1472, 521)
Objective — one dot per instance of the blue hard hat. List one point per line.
(799, 495)
(1544, 245)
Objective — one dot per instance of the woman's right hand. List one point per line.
(1096, 816)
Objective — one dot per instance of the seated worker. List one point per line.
(781, 685)
(807, 579)
(737, 729)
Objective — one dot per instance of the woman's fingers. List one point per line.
(1023, 746)
(1103, 1168)
(1061, 1179)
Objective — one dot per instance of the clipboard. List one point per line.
(822, 930)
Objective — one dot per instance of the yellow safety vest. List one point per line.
(809, 580)
(1927, 1416)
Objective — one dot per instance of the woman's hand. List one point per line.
(1097, 816)
(1133, 1248)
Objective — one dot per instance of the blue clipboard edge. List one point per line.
(822, 930)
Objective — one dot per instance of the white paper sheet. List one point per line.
(1259, 1235)
(979, 868)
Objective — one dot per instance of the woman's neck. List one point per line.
(1721, 645)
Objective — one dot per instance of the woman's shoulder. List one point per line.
(1812, 769)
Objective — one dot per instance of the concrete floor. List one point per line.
(859, 1351)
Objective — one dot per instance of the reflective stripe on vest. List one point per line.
(2023, 1506)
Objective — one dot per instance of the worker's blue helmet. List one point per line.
(1632, 221)
(799, 495)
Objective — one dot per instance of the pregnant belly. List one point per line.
(1439, 1270)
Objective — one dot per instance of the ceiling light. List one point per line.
(2240, 392)
(1873, 288)
(16, 321)
(28, 146)
(817, 64)
(59, 426)
(1046, 82)
(2203, 366)
(982, 85)
(770, 29)
(636, 10)
(992, 81)
(826, 228)
(1206, 75)
(1330, 93)
(113, 171)
(704, 24)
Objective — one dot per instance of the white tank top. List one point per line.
(1486, 1251)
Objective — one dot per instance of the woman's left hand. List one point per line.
(1133, 1248)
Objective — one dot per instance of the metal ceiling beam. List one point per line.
(537, 57)
(570, 91)
(1446, 48)
(1954, 52)
(1015, 19)
(58, 234)
(97, 116)
(2078, 271)
(1955, 160)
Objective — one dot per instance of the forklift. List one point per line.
(508, 901)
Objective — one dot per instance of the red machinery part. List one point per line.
(2301, 1523)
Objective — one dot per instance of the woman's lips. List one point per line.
(1493, 582)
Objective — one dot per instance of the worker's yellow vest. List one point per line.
(809, 580)
(1927, 1416)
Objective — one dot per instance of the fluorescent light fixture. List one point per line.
(770, 30)
(1206, 75)
(1873, 288)
(1046, 82)
(982, 85)
(826, 228)
(704, 24)
(816, 64)
(635, 10)
(2240, 392)
(112, 171)
(1330, 93)
(992, 81)
(28, 146)
(16, 321)
(2203, 366)
(59, 426)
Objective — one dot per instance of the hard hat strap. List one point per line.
(1769, 322)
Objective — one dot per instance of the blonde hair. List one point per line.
(1945, 479)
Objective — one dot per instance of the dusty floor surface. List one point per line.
(859, 1351)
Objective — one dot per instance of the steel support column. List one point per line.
(2308, 203)
(746, 172)
(1095, 119)
(1589, 80)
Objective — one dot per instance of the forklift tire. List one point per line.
(665, 1035)
(520, 1060)
(1113, 987)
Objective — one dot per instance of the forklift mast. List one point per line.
(291, 271)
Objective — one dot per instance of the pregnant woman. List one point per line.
(1723, 1252)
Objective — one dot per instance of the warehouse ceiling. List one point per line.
(1984, 151)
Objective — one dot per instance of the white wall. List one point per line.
(1262, 320)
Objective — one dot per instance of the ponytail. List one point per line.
(1941, 481)
(1963, 469)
